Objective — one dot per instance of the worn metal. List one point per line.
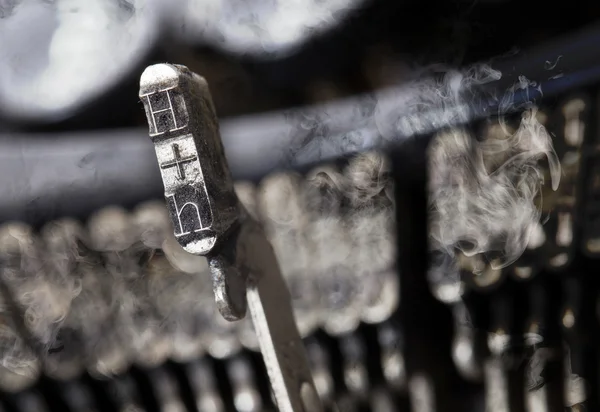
(209, 220)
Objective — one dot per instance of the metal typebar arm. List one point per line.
(209, 220)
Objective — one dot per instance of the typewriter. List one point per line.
(426, 174)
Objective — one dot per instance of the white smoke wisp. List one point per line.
(65, 258)
(433, 97)
(333, 234)
(135, 322)
(372, 228)
(369, 181)
(178, 289)
(42, 292)
(574, 385)
(330, 243)
(436, 98)
(483, 193)
(19, 365)
(91, 318)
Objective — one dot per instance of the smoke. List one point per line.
(484, 189)
(372, 227)
(338, 282)
(351, 228)
(483, 193)
(431, 98)
(574, 385)
(438, 97)
(113, 232)
(41, 288)
(332, 235)
(19, 366)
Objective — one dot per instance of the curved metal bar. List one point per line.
(46, 176)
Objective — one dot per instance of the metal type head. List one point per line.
(185, 132)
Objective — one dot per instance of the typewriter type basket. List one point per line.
(104, 312)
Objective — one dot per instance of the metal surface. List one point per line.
(209, 220)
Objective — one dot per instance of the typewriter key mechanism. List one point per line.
(209, 220)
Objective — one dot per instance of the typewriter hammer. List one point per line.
(209, 220)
